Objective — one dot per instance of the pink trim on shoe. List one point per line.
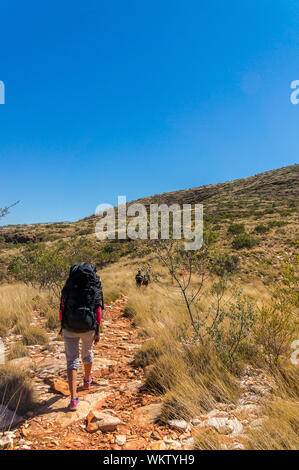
(74, 404)
(87, 383)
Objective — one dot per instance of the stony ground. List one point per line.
(116, 413)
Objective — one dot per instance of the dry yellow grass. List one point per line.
(17, 303)
(190, 377)
(280, 428)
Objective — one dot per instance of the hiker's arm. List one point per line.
(99, 319)
(61, 312)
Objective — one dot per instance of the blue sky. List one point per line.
(133, 97)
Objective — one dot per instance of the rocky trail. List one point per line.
(117, 413)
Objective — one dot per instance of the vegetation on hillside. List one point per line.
(205, 315)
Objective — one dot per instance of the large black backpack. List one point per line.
(82, 295)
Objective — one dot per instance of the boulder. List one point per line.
(97, 420)
(148, 414)
(224, 425)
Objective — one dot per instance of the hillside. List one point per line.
(209, 369)
(267, 205)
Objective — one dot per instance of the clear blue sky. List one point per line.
(140, 97)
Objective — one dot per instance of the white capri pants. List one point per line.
(71, 346)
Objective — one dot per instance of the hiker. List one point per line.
(80, 315)
(146, 279)
(139, 278)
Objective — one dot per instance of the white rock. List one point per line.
(120, 440)
(216, 413)
(238, 446)
(172, 443)
(220, 424)
(189, 443)
(179, 425)
(6, 442)
(196, 421)
(235, 426)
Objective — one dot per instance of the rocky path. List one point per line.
(116, 413)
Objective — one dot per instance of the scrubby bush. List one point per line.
(276, 328)
(34, 335)
(223, 263)
(174, 407)
(231, 328)
(243, 241)
(111, 295)
(53, 320)
(16, 390)
(147, 354)
(210, 237)
(129, 310)
(277, 223)
(236, 229)
(21, 325)
(17, 350)
(163, 375)
(261, 229)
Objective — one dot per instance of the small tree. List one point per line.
(182, 265)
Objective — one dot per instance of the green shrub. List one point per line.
(276, 223)
(34, 335)
(223, 263)
(276, 329)
(236, 229)
(210, 237)
(243, 240)
(261, 228)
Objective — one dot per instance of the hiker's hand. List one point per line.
(96, 337)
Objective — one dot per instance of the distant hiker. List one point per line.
(80, 315)
(139, 279)
(145, 280)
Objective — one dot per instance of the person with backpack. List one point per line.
(80, 315)
(139, 278)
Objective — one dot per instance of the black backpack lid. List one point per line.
(83, 267)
